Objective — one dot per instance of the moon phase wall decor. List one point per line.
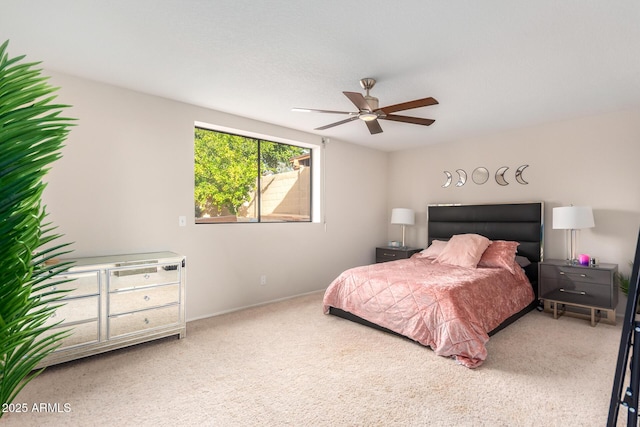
(480, 176)
(462, 177)
(519, 177)
(448, 181)
(500, 175)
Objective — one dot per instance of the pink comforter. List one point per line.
(450, 309)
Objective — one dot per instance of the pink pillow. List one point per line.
(464, 250)
(499, 254)
(432, 251)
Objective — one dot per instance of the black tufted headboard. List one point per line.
(520, 222)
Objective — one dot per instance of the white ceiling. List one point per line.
(493, 65)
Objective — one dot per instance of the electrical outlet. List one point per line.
(182, 221)
(263, 280)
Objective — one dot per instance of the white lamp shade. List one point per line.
(573, 218)
(403, 216)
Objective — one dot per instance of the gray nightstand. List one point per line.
(384, 254)
(590, 290)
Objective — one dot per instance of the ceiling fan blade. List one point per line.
(311, 110)
(350, 119)
(424, 102)
(407, 119)
(374, 126)
(358, 100)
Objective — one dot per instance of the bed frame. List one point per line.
(521, 222)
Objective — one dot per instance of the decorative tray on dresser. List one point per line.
(118, 301)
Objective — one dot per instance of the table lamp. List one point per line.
(572, 218)
(403, 217)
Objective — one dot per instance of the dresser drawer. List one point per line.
(75, 310)
(143, 320)
(579, 274)
(574, 292)
(142, 299)
(141, 276)
(80, 334)
(79, 284)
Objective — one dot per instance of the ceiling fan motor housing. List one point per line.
(372, 101)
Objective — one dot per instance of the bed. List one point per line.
(439, 297)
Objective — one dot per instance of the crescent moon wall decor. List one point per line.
(462, 177)
(448, 182)
(519, 177)
(500, 175)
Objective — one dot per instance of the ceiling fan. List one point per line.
(369, 112)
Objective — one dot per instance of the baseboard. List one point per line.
(220, 313)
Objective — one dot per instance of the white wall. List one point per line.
(127, 174)
(590, 161)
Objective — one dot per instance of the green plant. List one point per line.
(623, 281)
(31, 136)
(226, 169)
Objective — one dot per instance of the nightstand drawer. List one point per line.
(577, 274)
(388, 254)
(574, 292)
(392, 254)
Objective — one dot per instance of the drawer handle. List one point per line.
(146, 320)
(572, 292)
(580, 274)
(55, 288)
(53, 315)
(146, 298)
(146, 276)
(386, 254)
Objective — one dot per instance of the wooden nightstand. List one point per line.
(593, 290)
(386, 253)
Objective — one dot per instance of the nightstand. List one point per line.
(384, 254)
(587, 290)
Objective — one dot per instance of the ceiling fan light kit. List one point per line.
(367, 116)
(369, 112)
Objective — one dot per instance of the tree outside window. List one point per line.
(241, 179)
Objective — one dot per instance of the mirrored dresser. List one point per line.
(118, 301)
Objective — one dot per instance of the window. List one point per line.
(244, 179)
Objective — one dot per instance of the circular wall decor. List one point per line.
(448, 181)
(519, 177)
(500, 175)
(480, 175)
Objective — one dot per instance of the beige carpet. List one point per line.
(288, 364)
